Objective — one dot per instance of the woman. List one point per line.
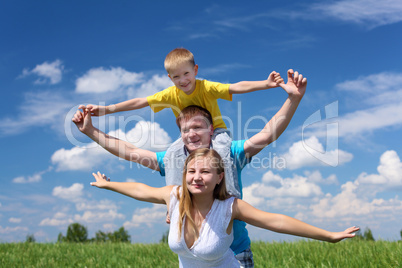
(202, 213)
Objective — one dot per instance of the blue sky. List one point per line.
(337, 165)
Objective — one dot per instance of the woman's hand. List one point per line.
(348, 233)
(101, 180)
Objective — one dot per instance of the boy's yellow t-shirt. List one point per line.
(205, 95)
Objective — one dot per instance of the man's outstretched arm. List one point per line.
(114, 145)
(295, 87)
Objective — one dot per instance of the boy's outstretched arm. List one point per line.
(139, 191)
(284, 224)
(295, 87)
(273, 80)
(115, 146)
(133, 104)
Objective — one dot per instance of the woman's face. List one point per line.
(202, 175)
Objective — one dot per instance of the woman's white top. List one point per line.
(212, 248)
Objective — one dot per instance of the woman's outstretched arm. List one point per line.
(135, 190)
(283, 224)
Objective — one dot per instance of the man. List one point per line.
(197, 132)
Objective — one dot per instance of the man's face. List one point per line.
(196, 133)
(184, 77)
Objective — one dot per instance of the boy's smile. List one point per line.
(184, 77)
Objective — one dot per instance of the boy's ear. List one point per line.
(196, 69)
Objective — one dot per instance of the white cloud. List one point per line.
(273, 187)
(369, 13)
(85, 159)
(14, 220)
(59, 219)
(155, 84)
(349, 204)
(310, 152)
(100, 80)
(389, 172)
(148, 216)
(96, 205)
(73, 193)
(38, 109)
(29, 179)
(374, 83)
(8, 230)
(47, 72)
(380, 94)
(90, 216)
(37, 177)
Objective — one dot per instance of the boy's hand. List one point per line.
(101, 180)
(96, 110)
(296, 85)
(274, 79)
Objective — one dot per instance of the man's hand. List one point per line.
(296, 85)
(83, 120)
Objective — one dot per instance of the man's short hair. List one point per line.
(177, 57)
(192, 111)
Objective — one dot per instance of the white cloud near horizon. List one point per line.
(389, 173)
(48, 72)
(73, 193)
(356, 201)
(148, 216)
(59, 219)
(277, 192)
(98, 216)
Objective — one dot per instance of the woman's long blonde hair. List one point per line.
(185, 198)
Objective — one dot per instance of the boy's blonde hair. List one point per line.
(177, 57)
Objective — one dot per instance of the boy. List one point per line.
(187, 90)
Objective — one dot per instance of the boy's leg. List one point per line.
(245, 259)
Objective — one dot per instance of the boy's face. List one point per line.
(196, 133)
(184, 77)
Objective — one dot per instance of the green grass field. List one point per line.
(284, 254)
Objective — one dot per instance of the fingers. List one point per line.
(290, 74)
(277, 77)
(297, 78)
(77, 116)
(100, 178)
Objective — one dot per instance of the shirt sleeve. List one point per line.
(237, 150)
(218, 90)
(161, 100)
(159, 159)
